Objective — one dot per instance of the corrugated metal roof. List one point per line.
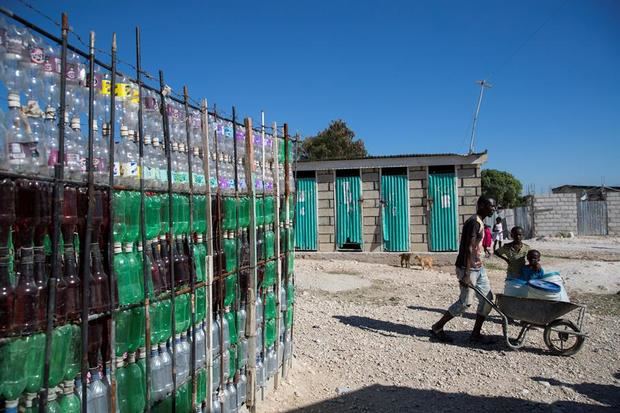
(390, 161)
(406, 155)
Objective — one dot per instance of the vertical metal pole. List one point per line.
(264, 257)
(235, 308)
(192, 273)
(287, 194)
(276, 219)
(166, 126)
(251, 317)
(56, 216)
(483, 84)
(209, 241)
(145, 267)
(89, 219)
(112, 275)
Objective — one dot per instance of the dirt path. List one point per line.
(363, 346)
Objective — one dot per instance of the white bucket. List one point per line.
(540, 294)
(556, 279)
(515, 288)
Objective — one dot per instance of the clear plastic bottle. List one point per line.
(242, 388)
(101, 152)
(18, 138)
(130, 170)
(199, 339)
(215, 338)
(166, 361)
(75, 151)
(217, 373)
(232, 397)
(180, 360)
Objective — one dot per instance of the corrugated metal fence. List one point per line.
(592, 217)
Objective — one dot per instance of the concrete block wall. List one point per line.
(371, 210)
(418, 214)
(555, 213)
(327, 220)
(613, 213)
(469, 183)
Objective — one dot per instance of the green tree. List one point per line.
(335, 142)
(503, 187)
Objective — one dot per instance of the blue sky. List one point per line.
(401, 73)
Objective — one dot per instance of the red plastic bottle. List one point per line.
(40, 278)
(69, 215)
(73, 302)
(165, 256)
(161, 268)
(25, 318)
(99, 282)
(27, 207)
(155, 275)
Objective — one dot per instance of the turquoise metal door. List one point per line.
(443, 231)
(395, 212)
(306, 215)
(348, 211)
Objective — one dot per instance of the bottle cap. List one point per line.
(154, 347)
(68, 387)
(124, 131)
(120, 361)
(131, 358)
(177, 336)
(75, 123)
(139, 246)
(155, 141)
(147, 139)
(128, 247)
(105, 129)
(14, 102)
(131, 134)
(142, 353)
(118, 248)
(50, 112)
(51, 395)
(196, 151)
(199, 238)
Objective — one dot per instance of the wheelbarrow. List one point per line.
(562, 336)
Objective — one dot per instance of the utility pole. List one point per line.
(483, 84)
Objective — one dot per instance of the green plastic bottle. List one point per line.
(270, 332)
(165, 406)
(290, 293)
(183, 397)
(270, 305)
(232, 369)
(136, 329)
(244, 212)
(119, 225)
(153, 224)
(230, 251)
(182, 310)
(34, 362)
(74, 352)
(230, 287)
(270, 239)
(200, 253)
(60, 343)
(13, 355)
(269, 209)
(123, 275)
(166, 320)
(164, 212)
(52, 403)
(123, 387)
(185, 214)
(201, 304)
(201, 386)
(135, 283)
(232, 325)
(260, 211)
(289, 317)
(132, 217)
(69, 402)
(269, 275)
(137, 386)
(123, 327)
(154, 315)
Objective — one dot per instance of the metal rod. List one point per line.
(190, 250)
(56, 216)
(483, 84)
(145, 267)
(276, 219)
(86, 247)
(166, 126)
(286, 223)
(209, 263)
(251, 300)
(112, 275)
(237, 235)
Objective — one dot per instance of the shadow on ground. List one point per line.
(378, 398)
(603, 393)
(390, 329)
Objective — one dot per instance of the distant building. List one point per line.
(586, 192)
(412, 202)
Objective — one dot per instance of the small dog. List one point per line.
(405, 260)
(425, 262)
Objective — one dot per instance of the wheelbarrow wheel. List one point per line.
(561, 339)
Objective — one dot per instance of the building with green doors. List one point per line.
(401, 203)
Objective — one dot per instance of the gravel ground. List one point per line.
(362, 345)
